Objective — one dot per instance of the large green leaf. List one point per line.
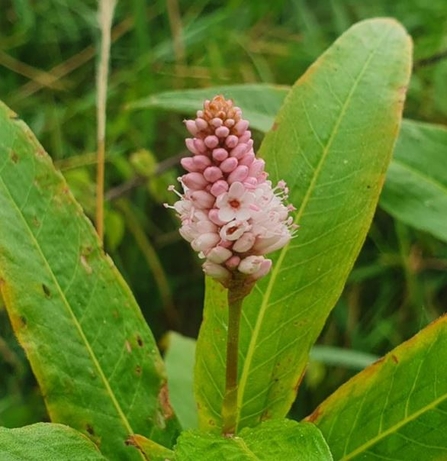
(260, 101)
(332, 142)
(397, 408)
(272, 440)
(415, 190)
(92, 353)
(46, 442)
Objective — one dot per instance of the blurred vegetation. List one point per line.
(47, 75)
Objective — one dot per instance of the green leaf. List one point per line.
(415, 190)
(332, 142)
(272, 440)
(179, 359)
(260, 101)
(94, 357)
(396, 408)
(46, 442)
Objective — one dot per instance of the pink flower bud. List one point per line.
(233, 262)
(216, 122)
(239, 174)
(266, 265)
(194, 181)
(246, 137)
(229, 164)
(205, 242)
(222, 132)
(191, 127)
(188, 164)
(201, 162)
(239, 151)
(229, 122)
(202, 199)
(214, 217)
(199, 145)
(212, 173)
(250, 264)
(201, 124)
(219, 187)
(211, 141)
(231, 141)
(248, 158)
(219, 255)
(240, 127)
(216, 271)
(244, 243)
(204, 226)
(220, 154)
(190, 145)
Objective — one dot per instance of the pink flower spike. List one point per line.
(230, 213)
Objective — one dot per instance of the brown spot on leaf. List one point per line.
(89, 429)
(315, 415)
(275, 126)
(128, 346)
(395, 359)
(86, 265)
(163, 398)
(14, 156)
(46, 290)
(140, 341)
(138, 370)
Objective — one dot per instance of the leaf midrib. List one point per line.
(71, 313)
(274, 274)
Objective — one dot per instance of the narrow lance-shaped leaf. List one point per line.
(394, 409)
(332, 142)
(46, 442)
(92, 353)
(415, 190)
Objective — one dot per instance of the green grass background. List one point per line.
(47, 75)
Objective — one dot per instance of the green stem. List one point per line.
(236, 293)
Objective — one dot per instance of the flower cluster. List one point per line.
(229, 211)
